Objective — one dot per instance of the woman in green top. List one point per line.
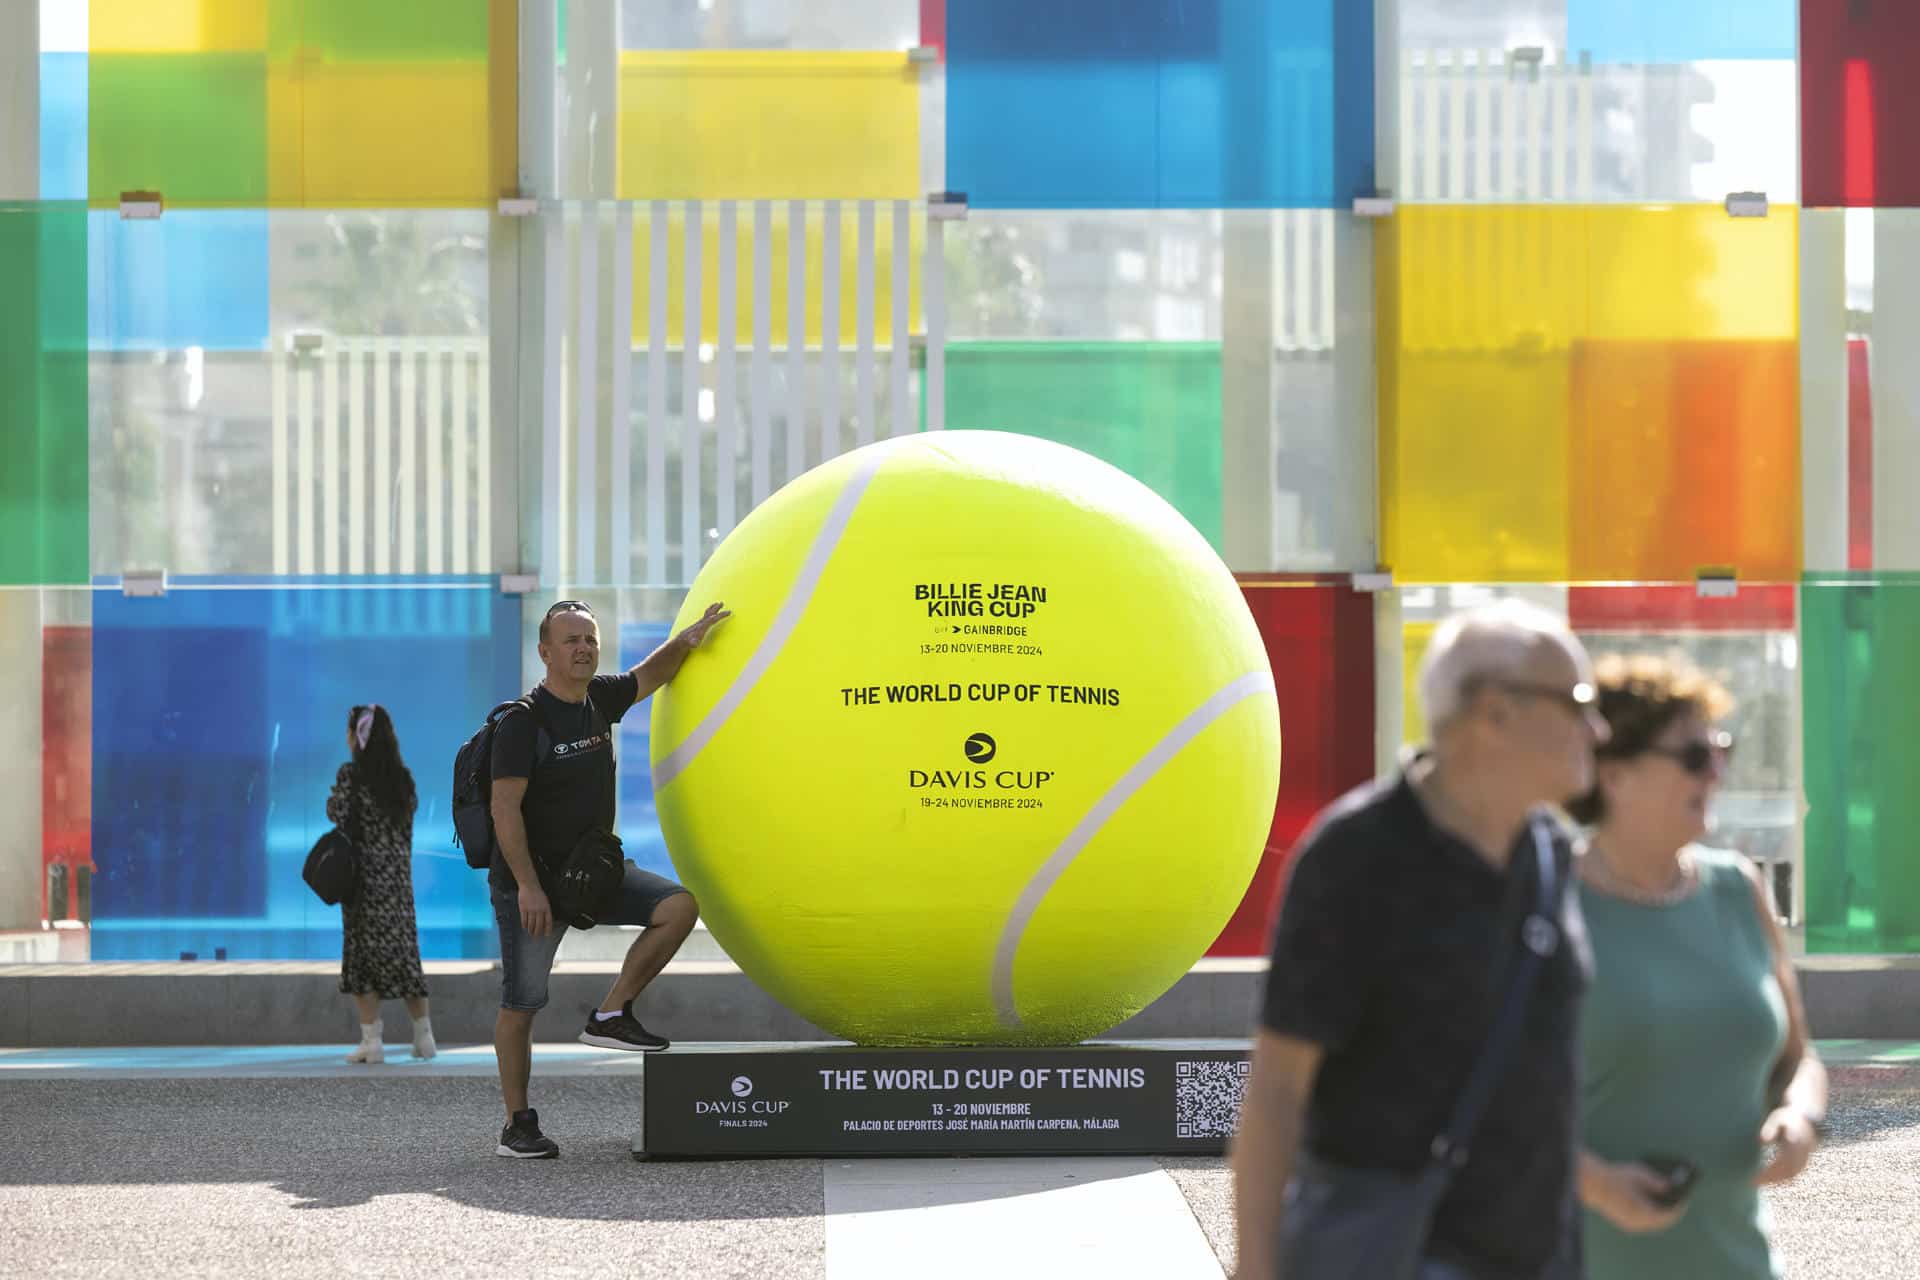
(1693, 1041)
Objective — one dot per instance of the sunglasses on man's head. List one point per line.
(1699, 756)
(570, 606)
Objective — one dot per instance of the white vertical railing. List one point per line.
(726, 447)
(620, 399)
(737, 349)
(656, 489)
(690, 485)
(1303, 275)
(1519, 124)
(323, 458)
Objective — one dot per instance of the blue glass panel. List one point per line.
(63, 126)
(219, 719)
(194, 278)
(1643, 31)
(639, 824)
(1160, 103)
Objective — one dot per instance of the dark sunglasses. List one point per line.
(1699, 756)
(570, 606)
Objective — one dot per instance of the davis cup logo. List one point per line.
(742, 1110)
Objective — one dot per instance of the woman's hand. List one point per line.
(1624, 1194)
(1793, 1135)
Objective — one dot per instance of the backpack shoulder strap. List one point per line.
(542, 736)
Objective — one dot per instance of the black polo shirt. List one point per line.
(1391, 954)
(570, 789)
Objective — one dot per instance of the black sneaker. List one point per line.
(622, 1031)
(522, 1139)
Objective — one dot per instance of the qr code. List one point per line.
(1206, 1097)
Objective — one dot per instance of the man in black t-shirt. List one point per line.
(1403, 910)
(553, 784)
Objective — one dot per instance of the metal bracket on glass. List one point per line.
(1529, 56)
(1716, 583)
(141, 205)
(1373, 582)
(145, 584)
(518, 206)
(1374, 206)
(947, 206)
(1746, 204)
(924, 53)
(519, 584)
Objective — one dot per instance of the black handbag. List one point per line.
(333, 868)
(1373, 1224)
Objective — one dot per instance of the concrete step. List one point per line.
(609, 942)
(292, 1002)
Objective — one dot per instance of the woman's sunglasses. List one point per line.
(1699, 756)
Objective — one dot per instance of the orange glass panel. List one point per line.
(1576, 393)
(1685, 455)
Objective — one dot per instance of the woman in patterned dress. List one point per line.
(372, 804)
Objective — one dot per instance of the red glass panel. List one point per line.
(1319, 638)
(1859, 454)
(933, 24)
(1766, 607)
(1857, 93)
(66, 779)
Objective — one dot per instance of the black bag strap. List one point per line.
(1539, 939)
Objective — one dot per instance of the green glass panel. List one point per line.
(380, 30)
(1860, 674)
(43, 415)
(1150, 408)
(192, 126)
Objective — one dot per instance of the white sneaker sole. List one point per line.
(608, 1042)
(504, 1150)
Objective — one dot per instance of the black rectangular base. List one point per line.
(1145, 1097)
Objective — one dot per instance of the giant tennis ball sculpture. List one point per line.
(987, 753)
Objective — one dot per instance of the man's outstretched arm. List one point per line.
(663, 663)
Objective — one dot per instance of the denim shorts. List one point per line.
(525, 961)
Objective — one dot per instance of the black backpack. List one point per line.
(473, 783)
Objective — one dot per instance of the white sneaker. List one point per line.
(423, 1045)
(371, 1047)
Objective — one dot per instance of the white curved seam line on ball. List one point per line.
(1119, 793)
(792, 608)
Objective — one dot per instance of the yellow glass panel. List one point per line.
(768, 124)
(1478, 310)
(177, 26)
(1485, 278)
(849, 267)
(385, 133)
(1691, 271)
(1414, 639)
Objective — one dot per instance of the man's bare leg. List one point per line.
(673, 920)
(513, 1049)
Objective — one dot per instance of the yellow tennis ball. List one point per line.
(987, 753)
